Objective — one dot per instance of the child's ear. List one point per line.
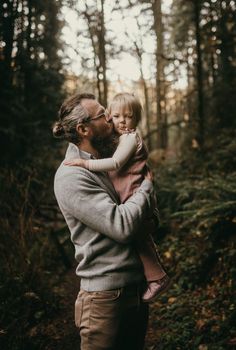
(82, 129)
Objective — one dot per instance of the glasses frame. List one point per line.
(103, 114)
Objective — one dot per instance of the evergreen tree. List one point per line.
(31, 75)
(203, 35)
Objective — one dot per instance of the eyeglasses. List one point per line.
(104, 114)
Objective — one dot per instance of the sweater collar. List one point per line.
(74, 152)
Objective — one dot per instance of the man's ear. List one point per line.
(83, 129)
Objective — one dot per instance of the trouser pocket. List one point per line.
(78, 311)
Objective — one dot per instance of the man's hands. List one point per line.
(75, 162)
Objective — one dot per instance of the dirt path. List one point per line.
(60, 333)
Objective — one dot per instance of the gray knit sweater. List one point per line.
(102, 230)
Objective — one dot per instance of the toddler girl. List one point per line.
(127, 169)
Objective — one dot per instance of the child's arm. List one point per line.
(125, 149)
(78, 162)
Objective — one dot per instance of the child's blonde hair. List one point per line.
(130, 100)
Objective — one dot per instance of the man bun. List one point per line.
(58, 130)
(70, 115)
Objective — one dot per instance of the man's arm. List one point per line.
(81, 196)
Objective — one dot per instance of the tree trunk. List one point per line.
(102, 55)
(145, 90)
(8, 24)
(158, 27)
(96, 30)
(200, 108)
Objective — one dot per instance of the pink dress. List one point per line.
(130, 176)
(127, 168)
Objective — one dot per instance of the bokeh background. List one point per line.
(179, 58)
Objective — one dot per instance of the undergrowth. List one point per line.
(197, 200)
(29, 261)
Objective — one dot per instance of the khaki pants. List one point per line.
(111, 320)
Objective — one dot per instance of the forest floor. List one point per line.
(59, 332)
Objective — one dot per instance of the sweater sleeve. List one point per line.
(82, 198)
(126, 148)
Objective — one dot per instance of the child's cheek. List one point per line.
(115, 123)
(116, 128)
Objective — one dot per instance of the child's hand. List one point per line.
(149, 175)
(75, 162)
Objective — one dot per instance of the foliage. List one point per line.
(25, 250)
(217, 32)
(197, 194)
(31, 76)
(197, 197)
(31, 89)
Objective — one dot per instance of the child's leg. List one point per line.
(149, 256)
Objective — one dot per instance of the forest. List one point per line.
(179, 57)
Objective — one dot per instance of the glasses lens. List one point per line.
(105, 115)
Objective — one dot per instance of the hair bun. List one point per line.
(58, 130)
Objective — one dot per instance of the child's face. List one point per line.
(123, 119)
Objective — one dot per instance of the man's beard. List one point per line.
(105, 146)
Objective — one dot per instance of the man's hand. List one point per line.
(75, 162)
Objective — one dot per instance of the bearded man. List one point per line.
(109, 312)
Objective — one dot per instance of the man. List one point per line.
(108, 310)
